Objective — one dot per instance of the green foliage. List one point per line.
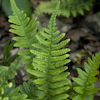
(30, 89)
(14, 95)
(50, 76)
(11, 93)
(46, 60)
(85, 81)
(7, 91)
(6, 54)
(67, 8)
(8, 73)
(22, 4)
(25, 28)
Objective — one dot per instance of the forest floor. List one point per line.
(84, 32)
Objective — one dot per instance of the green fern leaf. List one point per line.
(86, 79)
(50, 76)
(24, 28)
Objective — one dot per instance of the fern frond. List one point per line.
(86, 79)
(49, 62)
(67, 8)
(25, 28)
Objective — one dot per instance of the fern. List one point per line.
(25, 28)
(49, 62)
(46, 60)
(67, 8)
(85, 81)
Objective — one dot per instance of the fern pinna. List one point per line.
(85, 81)
(49, 62)
(25, 28)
